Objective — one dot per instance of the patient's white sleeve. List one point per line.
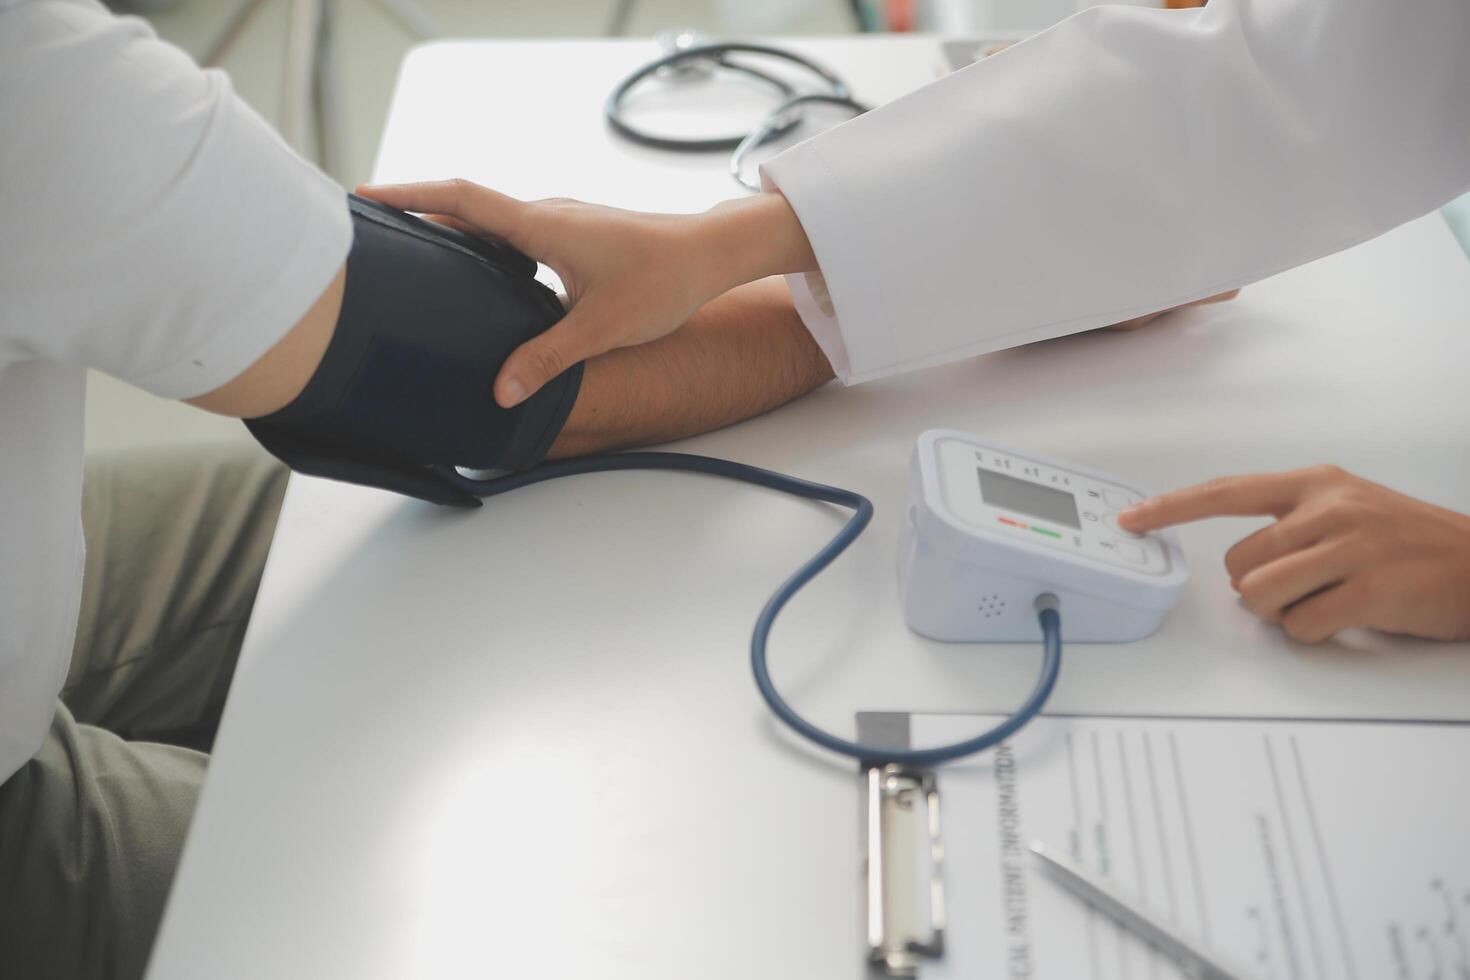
(1123, 162)
(152, 225)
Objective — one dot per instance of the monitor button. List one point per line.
(1111, 520)
(1116, 499)
(1131, 551)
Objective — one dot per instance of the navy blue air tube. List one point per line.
(862, 514)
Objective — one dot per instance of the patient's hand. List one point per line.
(1343, 552)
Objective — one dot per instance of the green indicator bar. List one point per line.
(1042, 530)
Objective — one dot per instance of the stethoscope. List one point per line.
(690, 59)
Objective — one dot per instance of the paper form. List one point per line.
(1309, 850)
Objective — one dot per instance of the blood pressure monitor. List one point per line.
(988, 529)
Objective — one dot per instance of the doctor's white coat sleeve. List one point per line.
(1123, 162)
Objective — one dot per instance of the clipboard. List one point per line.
(903, 849)
(1306, 847)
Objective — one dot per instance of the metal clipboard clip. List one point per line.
(906, 918)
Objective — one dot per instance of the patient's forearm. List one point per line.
(741, 355)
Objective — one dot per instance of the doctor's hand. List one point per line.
(1343, 552)
(631, 278)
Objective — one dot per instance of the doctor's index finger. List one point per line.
(1228, 496)
(484, 210)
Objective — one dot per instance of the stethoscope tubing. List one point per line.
(774, 125)
(716, 54)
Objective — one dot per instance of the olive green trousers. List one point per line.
(91, 828)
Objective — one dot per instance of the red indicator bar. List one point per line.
(1007, 520)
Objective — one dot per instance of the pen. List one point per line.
(1193, 957)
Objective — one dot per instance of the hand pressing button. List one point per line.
(1111, 521)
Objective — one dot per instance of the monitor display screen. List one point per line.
(1031, 499)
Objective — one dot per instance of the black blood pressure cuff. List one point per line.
(428, 317)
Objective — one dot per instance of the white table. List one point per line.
(524, 741)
